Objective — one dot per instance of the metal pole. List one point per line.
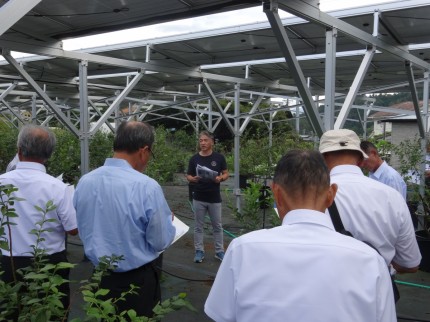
(84, 129)
(330, 77)
(237, 146)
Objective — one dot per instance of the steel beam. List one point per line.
(253, 109)
(172, 56)
(218, 121)
(355, 87)
(426, 102)
(111, 61)
(218, 105)
(236, 160)
(33, 109)
(313, 14)
(60, 115)
(84, 117)
(330, 78)
(100, 114)
(13, 10)
(415, 100)
(270, 9)
(17, 115)
(7, 90)
(114, 106)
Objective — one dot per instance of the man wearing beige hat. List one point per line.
(372, 211)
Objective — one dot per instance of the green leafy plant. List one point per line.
(171, 156)
(34, 294)
(412, 160)
(8, 134)
(259, 154)
(251, 215)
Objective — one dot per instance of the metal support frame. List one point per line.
(218, 105)
(271, 11)
(355, 87)
(14, 10)
(310, 13)
(330, 78)
(17, 115)
(60, 115)
(84, 117)
(171, 55)
(426, 101)
(100, 114)
(236, 133)
(218, 121)
(415, 100)
(114, 106)
(34, 48)
(253, 109)
(33, 110)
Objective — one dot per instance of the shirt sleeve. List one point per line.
(407, 251)
(160, 230)
(66, 211)
(221, 302)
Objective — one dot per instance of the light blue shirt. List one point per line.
(123, 212)
(390, 177)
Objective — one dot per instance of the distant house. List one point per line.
(381, 123)
(401, 126)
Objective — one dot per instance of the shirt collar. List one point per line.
(299, 216)
(346, 168)
(31, 166)
(119, 163)
(380, 170)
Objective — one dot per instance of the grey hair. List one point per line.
(301, 170)
(133, 135)
(36, 142)
(208, 134)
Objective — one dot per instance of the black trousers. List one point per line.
(23, 261)
(146, 277)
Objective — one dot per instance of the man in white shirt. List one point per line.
(36, 187)
(372, 211)
(303, 270)
(380, 170)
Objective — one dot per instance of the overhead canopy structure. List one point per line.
(338, 55)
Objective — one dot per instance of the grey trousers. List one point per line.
(214, 212)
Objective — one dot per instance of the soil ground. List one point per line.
(181, 274)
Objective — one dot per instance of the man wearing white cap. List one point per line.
(372, 211)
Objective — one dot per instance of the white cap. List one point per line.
(337, 140)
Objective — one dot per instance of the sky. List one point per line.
(183, 26)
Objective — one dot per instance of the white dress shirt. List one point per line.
(376, 213)
(36, 187)
(301, 271)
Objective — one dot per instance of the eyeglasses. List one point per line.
(152, 153)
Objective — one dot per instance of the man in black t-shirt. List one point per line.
(206, 170)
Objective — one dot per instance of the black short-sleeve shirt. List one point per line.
(207, 190)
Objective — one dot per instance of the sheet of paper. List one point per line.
(181, 228)
(206, 173)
